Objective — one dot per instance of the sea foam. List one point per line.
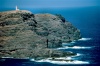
(74, 47)
(63, 62)
(84, 39)
(78, 47)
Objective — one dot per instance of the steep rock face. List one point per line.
(23, 34)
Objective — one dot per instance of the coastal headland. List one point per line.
(24, 34)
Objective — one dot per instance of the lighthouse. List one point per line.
(17, 8)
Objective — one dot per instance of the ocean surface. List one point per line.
(87, 19)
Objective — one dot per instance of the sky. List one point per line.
(48, 3)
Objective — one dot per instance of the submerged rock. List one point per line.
(23, 34)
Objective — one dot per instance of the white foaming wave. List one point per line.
(73, 42)
(63, 62)
(49, 59)
(84, 39)
(75, 47)
(61, 48)
(80, 62)
(64, 58)
(78, 47)
(78, 54)
(32, 59)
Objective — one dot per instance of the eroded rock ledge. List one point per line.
(23, 34)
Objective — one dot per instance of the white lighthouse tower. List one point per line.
(17, 8)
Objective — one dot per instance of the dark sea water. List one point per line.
(87, 19)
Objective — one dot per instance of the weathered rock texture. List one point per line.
(23, 34)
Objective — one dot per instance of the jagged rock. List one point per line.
(32, 34)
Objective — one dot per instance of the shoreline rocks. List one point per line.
(23, 34)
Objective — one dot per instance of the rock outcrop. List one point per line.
(23, 34)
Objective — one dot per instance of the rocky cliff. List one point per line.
(23, 34)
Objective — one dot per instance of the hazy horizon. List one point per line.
(48, 3)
